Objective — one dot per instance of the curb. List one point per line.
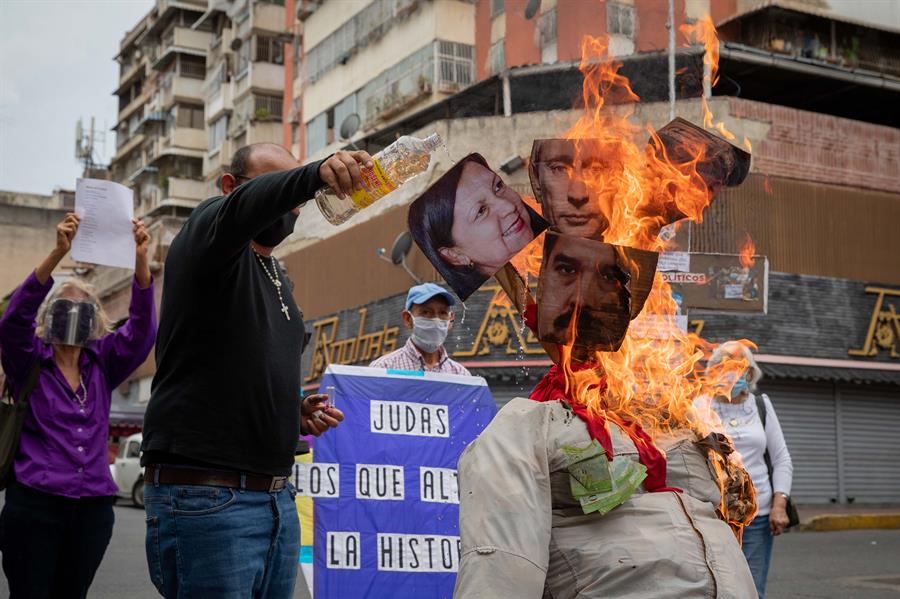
(832, 522)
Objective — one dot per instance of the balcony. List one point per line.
(260, 76)
(217, 159)
(185, 189)
(171, 192)
(133, 105)
(128, 74)
(182, 138)
(268, 17)
(265, 131)
(181, 89)
(219, 102)
(182, 40)
(133, 142)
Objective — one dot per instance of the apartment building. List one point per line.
(160, 137)
(245, 79)
(378, 60)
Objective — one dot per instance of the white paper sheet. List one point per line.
(674, 261)
(105, 235)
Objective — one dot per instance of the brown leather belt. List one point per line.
(173, 475)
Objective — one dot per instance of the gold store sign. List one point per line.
(501, 329)
(365, 347)
(884, 325)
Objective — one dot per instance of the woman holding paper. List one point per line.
(58, 516)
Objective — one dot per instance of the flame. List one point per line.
(748, 250)
(657, 378)
(703, 32)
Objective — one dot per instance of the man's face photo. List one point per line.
(559, 171)
(583, 294)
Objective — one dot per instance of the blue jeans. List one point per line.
(221, 542)
(757, 547)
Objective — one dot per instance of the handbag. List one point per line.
(790, 508)
(12, 416)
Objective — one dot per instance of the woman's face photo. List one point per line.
(490, 222)
(469, 224)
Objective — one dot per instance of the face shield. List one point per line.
(70, 322)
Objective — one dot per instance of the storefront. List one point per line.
(829, 348)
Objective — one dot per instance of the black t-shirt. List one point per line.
(226, 390)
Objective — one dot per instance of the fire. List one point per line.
(657, 378)
(703, 32)
(748, 250)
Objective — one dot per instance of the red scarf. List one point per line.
(553, 388)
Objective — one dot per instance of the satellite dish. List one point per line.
(236, 44)
(350, 126)
(401, 248)
(532, 8)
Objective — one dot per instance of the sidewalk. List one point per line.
(848, 517)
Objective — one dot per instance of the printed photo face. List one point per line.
(720, 164)
(470, 223)
(589, 291)
(565, 176)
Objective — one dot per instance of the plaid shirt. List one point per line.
(408, 357)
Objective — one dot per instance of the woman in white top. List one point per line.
(737, 409)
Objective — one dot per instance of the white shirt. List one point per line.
(743, 425)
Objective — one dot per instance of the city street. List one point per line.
(830, 565)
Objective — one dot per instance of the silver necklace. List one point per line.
(273, 276)
(83, 399)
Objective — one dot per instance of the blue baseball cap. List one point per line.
(424, 292)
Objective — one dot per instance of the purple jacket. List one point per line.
(63, 449)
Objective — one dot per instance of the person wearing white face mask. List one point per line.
(760, 441)
(428, 314)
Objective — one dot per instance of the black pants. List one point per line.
(52, 545)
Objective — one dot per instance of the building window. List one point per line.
(316, 131)
(218, 77)
(243, 60)
(268, 107)
(620, 19)
(189, 116)
(456, 66)
(547, 36)
(497, 58)
(365, 27)
(192, 67)
(498, 7)
(269, 49)
(217, 131)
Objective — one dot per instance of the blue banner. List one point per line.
(384, 482)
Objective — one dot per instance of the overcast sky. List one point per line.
(56, 66)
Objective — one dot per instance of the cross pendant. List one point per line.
(284, 309)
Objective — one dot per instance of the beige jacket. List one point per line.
(524, 536)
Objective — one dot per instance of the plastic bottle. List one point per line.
(393, 166)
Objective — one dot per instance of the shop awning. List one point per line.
(838, 375)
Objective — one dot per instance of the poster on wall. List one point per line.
(384, 482)
(721, 282)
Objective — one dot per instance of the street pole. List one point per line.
(671, 26)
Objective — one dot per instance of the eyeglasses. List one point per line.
(239, 177)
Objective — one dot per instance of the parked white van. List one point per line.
(127, 471)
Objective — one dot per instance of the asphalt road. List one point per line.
(830, 565)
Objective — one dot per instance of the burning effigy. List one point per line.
(608, 481)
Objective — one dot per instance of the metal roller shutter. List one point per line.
(870, 423)
(806, 412)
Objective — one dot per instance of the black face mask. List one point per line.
(277, 231)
